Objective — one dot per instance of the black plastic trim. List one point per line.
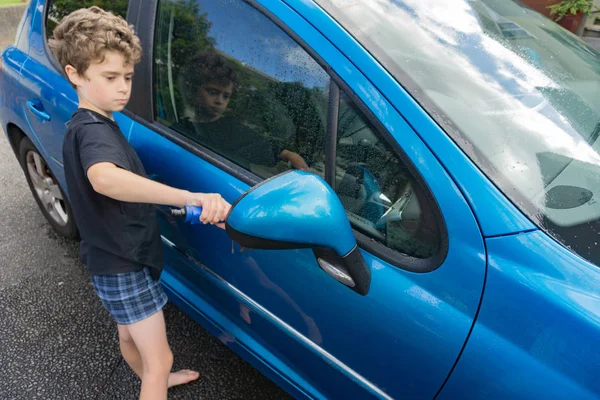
(254, 242)
(142, 88)
(353, 262)
(332, 128)
(132, 13)
(359, 270)
(53, 61)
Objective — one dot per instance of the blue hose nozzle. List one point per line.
(190, 213)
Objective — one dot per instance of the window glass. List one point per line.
(381, 197)
(230, 79)
(61, 8)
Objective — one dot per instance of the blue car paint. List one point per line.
(37, 46)
(13, 60)
(278, 281)
(538, 318)
(303, 208)
(537, 332)
(42, 83)
(44, 86)
(221, 326)
(495, 213)
(421, 342)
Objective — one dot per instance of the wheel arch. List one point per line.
(15, 135)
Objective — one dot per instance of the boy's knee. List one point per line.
(159, 363)
(125, 336)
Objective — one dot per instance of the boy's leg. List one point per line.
(135, 357)
(129, 350)
(150, 338)
(132, 356)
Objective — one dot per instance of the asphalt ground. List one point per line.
(56, 339)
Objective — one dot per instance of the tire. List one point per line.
(47, 192)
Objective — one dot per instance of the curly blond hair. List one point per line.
(84, 36)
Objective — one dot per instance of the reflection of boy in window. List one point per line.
(212, 79)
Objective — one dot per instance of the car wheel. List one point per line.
(46, 190)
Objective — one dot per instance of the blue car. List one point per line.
(442, 240)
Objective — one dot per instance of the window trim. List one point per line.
(332, 127)
(143, 112)
(141, 89)
(53, 61)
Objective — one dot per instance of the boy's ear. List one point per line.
(73, 75)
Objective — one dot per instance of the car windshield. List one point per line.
(517, 92)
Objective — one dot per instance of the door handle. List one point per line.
(42, 115)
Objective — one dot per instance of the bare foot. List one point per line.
(182, 377)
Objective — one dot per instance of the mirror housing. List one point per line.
(295, 210)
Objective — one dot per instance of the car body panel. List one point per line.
(280, 281)
(537, 331)
(11, 111)
(50, 93)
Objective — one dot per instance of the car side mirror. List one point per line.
(296, 210)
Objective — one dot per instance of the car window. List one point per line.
(382, 198)
(60, 8)
(230, 79)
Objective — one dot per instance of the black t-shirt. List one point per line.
(233, 140)
(117, 236)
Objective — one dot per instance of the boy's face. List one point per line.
(104, 87)
(213, 99)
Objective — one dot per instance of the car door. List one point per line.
(277, 81)
(49, 98)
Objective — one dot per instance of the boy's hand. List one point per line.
(298, 162)
(214, 207)
(295, 159)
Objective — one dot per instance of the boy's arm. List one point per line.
(120, 184)
(117, 183)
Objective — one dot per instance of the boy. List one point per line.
(111, 198)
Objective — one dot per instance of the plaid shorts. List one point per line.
(130, 296)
